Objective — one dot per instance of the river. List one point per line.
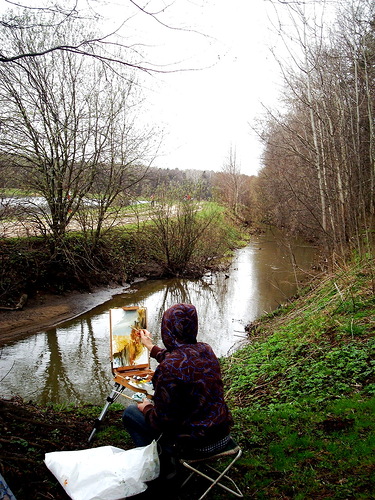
(71, 363)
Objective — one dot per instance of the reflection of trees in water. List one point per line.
(210, 297)
(206, 293)
(198, 292)
(97, 377)
(175, 292)
(57, 385)
(216, 293)
(88, 373)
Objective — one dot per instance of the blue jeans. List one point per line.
(136, 425)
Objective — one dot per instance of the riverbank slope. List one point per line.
(301, 393)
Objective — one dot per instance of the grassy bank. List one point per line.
(302, 393)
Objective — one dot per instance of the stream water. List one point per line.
(71, 363)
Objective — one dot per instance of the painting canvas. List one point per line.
(126, 349)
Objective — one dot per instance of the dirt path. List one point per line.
(47, 311)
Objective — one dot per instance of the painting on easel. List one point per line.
(130, 359)
(127, 351)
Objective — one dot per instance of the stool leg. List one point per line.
(187, 479)
(237, 492)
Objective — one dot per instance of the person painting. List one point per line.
(188, 410)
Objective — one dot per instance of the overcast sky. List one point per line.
(218, 72)
(205, 112)
(208, 109)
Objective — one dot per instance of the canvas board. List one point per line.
(127, 352)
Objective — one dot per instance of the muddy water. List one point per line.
(71, 363)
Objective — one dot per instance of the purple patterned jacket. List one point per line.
(189, 398)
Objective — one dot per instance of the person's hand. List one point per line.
(145, 402)
(145, 337)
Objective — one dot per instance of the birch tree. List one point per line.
(326, 127)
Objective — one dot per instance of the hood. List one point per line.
(179, 326)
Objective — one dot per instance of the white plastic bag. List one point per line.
(104, 473)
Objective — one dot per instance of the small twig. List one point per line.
(7, 373)
(15, 457)
(340, 293)
(16, 440)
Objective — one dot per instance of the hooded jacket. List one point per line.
(189, 398)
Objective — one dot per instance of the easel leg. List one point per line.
(116, 392)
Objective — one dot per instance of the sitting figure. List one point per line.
(188, 413)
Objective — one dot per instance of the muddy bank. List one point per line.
(47, 310)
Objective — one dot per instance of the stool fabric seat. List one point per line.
(224, 445)
(195, 460)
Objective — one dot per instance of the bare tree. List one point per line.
(231, 183)
(106, 45)
(185, 240)
(64, 122)
(319, 156)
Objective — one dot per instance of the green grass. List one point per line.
(307, 451)
(16, 192)
(302, 394)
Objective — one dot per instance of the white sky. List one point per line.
(204, 113)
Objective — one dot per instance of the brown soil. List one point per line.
(47, 310)
(27, 433)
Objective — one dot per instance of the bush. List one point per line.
(187, 234)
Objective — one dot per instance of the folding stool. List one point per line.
(194, 464)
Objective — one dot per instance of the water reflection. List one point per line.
(71, 362)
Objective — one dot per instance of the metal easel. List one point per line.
(114, 395)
